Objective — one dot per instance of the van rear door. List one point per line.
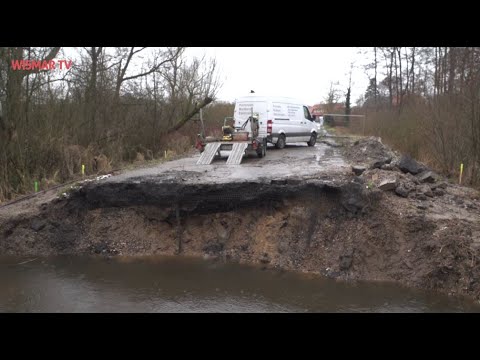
(245, 108)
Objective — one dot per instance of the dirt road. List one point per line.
(296, 161)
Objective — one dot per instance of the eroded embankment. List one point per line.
(346, 231)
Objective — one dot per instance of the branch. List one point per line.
(122, 71)
(153, 69)
(195, 110)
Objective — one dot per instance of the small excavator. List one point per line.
(238, 140)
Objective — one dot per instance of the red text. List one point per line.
(40, 65)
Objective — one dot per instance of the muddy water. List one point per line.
(77, 284)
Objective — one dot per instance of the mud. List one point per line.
(311, 214)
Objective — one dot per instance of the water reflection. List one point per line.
(175, 284)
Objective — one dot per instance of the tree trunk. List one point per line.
(396, 76)
(435, 82)
(452, 67)
(445, 70)
(91, 94)
(401, 78)
(408, 73)
(412, 70)
(375, 78)
(390, 74)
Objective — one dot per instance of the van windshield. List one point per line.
(306, 113)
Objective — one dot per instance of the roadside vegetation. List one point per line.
(425, 102)
(113, 107)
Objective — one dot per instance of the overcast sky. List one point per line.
(301, 72)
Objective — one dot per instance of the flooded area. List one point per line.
(178, 284)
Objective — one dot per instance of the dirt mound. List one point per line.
(369, 151)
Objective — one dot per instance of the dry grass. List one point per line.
(441, 138)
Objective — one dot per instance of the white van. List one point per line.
(282, 120)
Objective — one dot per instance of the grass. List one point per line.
(370, 185)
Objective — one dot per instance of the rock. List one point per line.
(439, 185)
(265, 259)
(294, 181)
(353, 198)
(213, 248)
(333, 274)
(379, 163)
(100, 248)
(358, 169)
(222, 233)
(438, 192)
(345, 262)
(278, 182)
(422, 206)
(403, 189)
(425, 189)
(409, 165)
(38, 224)
(388, 184)
(411, 178)
(400, 190)
(422, 197)
(395, 161)
(427, 177)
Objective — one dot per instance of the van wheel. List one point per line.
(280, 142)
(313, 140)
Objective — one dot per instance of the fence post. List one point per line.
(461, 172)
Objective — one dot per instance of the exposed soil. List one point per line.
(385, 224)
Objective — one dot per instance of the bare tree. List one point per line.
(113, 104)
(347, 99)
(443, 123)
(14, 78)
(161, 58)
(332, 98)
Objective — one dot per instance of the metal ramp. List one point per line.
(236, 156)
(209, 153)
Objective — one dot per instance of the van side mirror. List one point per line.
(314, 117)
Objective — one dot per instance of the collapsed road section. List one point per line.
(351, 211)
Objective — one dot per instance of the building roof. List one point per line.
(320, 109)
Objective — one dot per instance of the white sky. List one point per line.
(300, 72)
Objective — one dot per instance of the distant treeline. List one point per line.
(426, 101)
